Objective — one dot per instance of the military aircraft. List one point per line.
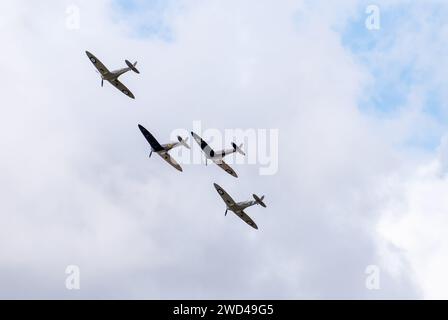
(217, 157)
(112, 76)
(162, 150)
(238, 207)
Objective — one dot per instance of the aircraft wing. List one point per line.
(246, 219)
(230, 203)
(225, 167)
(166, 156)
(225, 196)
(117, 84)
(97, 63)
(209, 153)
(155, 145)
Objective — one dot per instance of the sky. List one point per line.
(358, 161)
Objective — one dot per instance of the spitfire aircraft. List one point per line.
(217, 157)
(112, 76)
(238, 207)
(162, 150)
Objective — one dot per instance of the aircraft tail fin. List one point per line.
(183, 142)
(259, 200)
(238, 148)
(132, 66)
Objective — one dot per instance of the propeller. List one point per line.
(102, 80)
(150, 154)
(226, 212)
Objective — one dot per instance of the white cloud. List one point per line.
(79, 188)
(409, 59)
(416, 222)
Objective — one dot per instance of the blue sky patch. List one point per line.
(147, 19)
(396, 77)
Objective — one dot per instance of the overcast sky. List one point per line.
(362, 149)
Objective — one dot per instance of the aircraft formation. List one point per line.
(163, 149)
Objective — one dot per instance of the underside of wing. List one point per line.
(166, 156)
(225, 167)
(117, 84)
(155, 145)
(246, 219)
(209, 153)
(97, 63)
(225, 196)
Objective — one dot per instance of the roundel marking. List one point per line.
(93, 59)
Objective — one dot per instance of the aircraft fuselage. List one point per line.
(241, 205)
(111, 76)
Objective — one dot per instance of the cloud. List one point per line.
(415, 222)
(407, 60)
(80, 190)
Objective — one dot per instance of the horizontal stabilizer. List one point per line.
(183, 142)
(238, 148)
(132, 66)
(259, 200)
